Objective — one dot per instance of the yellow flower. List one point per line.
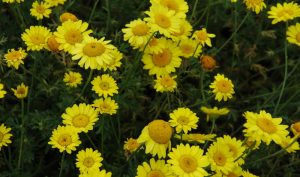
(71, 33)
(154, 169)
(255, 5)
(165, 83)
(106, 106)
(185, 29)
(115, 62)
(293, 34)
(40, 10)
(36, 37)
(203, 37)
(2, 91)
(93, 53)
(286, 143)
(72, 79)
(163, 20)
(188, 161)
(21, 91)
(12, 1)
(248, 174)
(5, 136)
(179, 6)
(88, 160)
(131, 145)
(189, 48)
(82, 117)
(183, 119)
(65, 139)
(284, 12)
(262, 127)
(104, 85)
(53, 3)
(213, 113)
(164, 62)
(14, 57)
(67, 16)
(196, 137)
(155, 45)
(156, 137)
(208, 63)
(96, 173)
(52, 44)
(220, 158)
(222, 88)
(137, 33)
(235, 172)
(295, 127)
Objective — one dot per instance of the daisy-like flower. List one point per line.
(104, 85)
(164, 62)
(203, 37)
(208, 63)
(295, 128)
(36, 37)
(116, 61)
(40, 10)
(188, 161)
(189, 48)
(88, 160)
(21, 91)
(179, 6)
(286, 143)
(12, 1)
(131, 145)
(284, 12)
(53, 3)
(65, 139)
(72, 79)
(96, 173)
(93, 53)
(235, 147)
(137, 33)
(154, 169)
(163, 20)
(185, 30)
(220, 158)
(183, 119)
(14, 57)
(52, 44)
(71, 33)
(293, 34)
(255, 5)
(165, 83)
(67, 16)
(222, 88)
(262, 127)
(106, 106)
(2, 91)
(156, 137)
(5, 136)
(82, 117)
(213, 113)
(196, 137)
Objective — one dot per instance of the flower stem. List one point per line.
(85, 86)
(93, 11)
(61, 164)
(194, 9)
(22, 136)
(211, 130)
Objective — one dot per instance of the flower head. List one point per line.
(295, 127)
(67, 16)
(290, 144)
(36, 37)
(255, 5)
(40, 10)
(203, 37)
(53, 3)
(5, 136)
(88, 160)
(222, 88)
(14, 57)
(72, 79)
(21, 91)
(165, 83)
(284, 12)
(213, 113)
(131, 145)
(208, 63)
(2, 91)
(106, 106)
(105, 85)
(183, 119)
(293, 34)
(154, 169)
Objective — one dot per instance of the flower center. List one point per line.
(230, 174)
(1, 136)
(160, 131)
(88, 162)
(183, 120)
(64, 140)
(104, 85)
(286, 13)
(140, 29)
(73, 36)
(80, 120)
(93, 49)
(167, 81)
(14, 56)
(171, 4)
(72, 79)
(162, 59)
(296, 126)
(52, 43)
(298, 37)
(187, 49)
(21, 91)
(223, 86)
(188, 163)
(162, 20)
(37, 39)
(219, 158)
(201, 35)
(153, 42)
(40, 9)
(105, 107)
(155, 173)
(266, 125)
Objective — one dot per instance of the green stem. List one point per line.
(210, 132)
(32, 82)
(285, 74)
(114, 131)
(85, 86)
(22, 136)
(233, 34)
(108, 21)
(61, 164)
(194, 10)
(91, 141)
(93, 11)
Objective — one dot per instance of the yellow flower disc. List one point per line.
(140, 29)
(65, 140)
(93, 49)
(188, 163)
(266, 125)
(73, 36)
(80, 120)
(88, 162)
(162, 21)
(219, 158)
(155, 173)
(160, 131)
(162, 59)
